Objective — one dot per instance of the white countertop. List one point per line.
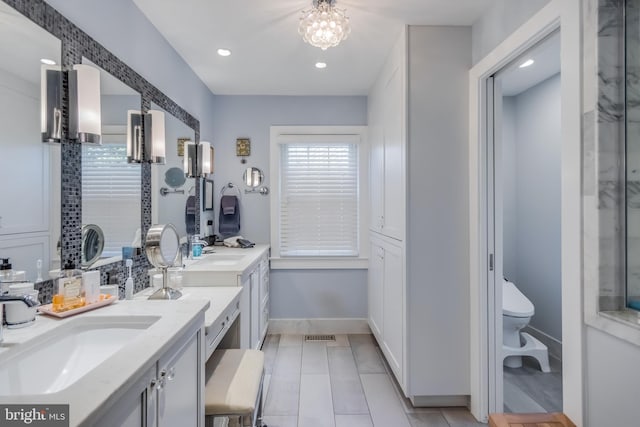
(103, 386)
(223, 266)
(219, 298)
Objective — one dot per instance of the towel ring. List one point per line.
(230, 186)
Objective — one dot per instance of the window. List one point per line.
(317, 214)
(111, 192)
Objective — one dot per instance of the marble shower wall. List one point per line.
(603, 154)
(633, 147)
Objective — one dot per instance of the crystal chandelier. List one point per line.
(324, 25)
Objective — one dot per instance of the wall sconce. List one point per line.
(134, 136)
(84, 104)
(198, 159)
(51, 103)
(154, 139)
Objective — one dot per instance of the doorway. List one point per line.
(524, 229)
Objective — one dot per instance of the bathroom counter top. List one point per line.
(223, 266)
(223, 302)
(103, 385)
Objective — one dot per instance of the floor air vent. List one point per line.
(319, 337)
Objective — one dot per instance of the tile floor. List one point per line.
(339, 384)
(528, 389)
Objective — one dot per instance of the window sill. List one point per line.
(315, 263)
(623, 324)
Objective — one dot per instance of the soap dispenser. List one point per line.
(6, 275)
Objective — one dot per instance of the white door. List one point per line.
(494, 242)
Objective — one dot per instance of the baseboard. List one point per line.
(554, 346)
(440, 401)
(319, 326)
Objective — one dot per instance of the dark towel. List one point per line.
(229, 218)
(228, 204)
(190, 214)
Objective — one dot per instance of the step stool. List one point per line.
(530, 420)
(234, 386)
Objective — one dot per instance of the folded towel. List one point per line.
(228, 204)
(229, 223)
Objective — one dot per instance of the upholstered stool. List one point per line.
(530, 420)
(234, 386)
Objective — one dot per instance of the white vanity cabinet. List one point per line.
(249, 271)
(170, 393)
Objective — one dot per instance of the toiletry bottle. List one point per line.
(128, 284)
(6, 275)
(70, 290)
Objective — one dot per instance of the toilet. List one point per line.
(516, 314)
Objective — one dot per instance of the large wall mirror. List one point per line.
(111, 187)
(29, 169)
(174, 195)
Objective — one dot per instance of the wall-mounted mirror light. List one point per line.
(198, 159)
(154, 146)
(84, 104)
(51, 103)
(154, 137)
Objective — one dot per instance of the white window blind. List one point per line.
(319, 199)
(111, 194)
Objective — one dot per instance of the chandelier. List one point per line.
(324, 25)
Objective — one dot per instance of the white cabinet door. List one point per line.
(255, 308)
(376, 169)
(245, 314)
(393, 308)
(179, 392)
(133, 408)
(393, 191)
(376, 277)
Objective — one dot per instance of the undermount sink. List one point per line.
(68, 353)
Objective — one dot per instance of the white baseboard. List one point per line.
(319, 326)
(554, 345)
(440, 401)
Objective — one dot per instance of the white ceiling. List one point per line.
(270, 58)
(546, 57)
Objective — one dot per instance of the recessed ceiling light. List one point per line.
(321, 65)
(224, 52)
(48, 61)
(526, 63)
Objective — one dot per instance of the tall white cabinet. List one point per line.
(418, 274)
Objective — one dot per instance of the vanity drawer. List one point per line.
(216, 332)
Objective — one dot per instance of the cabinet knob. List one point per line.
(172, 373)
(163, 379)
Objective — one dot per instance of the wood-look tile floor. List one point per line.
(339, 384)
(528, 389)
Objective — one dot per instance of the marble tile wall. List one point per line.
(603, 153)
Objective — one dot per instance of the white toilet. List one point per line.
(516, 314)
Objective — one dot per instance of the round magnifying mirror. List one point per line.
(92, 244)
(175, 177)
(163, 251)
(162, 245)
(253, 177)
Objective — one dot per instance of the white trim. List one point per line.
(336, 263)
(355, 135)
(567, 13)
(319, 326)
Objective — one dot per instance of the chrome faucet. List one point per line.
(28, 300)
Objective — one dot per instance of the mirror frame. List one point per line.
(75, 45)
